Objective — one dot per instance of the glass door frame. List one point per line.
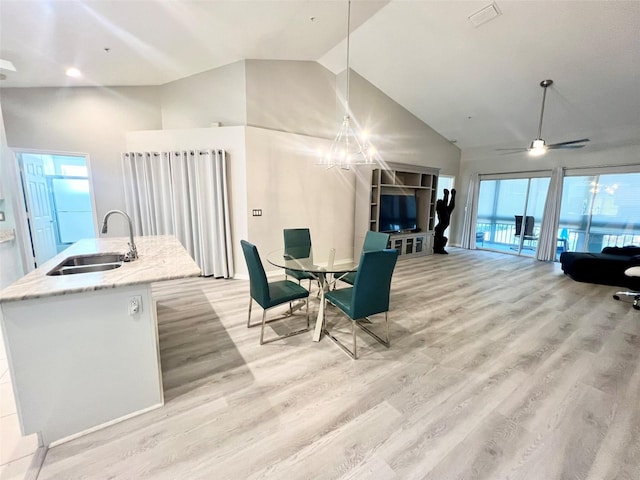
(500, 242)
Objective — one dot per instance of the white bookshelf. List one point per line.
(397, 179)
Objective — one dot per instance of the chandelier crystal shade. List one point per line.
(348, 148)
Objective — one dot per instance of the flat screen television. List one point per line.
(397, 213)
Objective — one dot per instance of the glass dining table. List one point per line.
(320, 272)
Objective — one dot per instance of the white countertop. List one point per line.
(160, 258)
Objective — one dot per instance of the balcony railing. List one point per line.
(504, 235)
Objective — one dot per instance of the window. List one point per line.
(600, 211)
(499, 202)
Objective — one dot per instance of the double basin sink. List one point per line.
(95, 262)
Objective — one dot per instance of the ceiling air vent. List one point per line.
(485, 14)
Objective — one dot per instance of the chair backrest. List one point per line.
(373, 283)
(259, 287)
(297, 242)
(528, 225)
(375, 241)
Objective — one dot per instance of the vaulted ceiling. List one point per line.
(477, 85)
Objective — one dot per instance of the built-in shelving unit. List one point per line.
(397, 179)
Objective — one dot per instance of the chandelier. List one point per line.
(348, 148)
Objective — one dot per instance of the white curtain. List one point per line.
(471, 213)
(548, 239)
(183, 193)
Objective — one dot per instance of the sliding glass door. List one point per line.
(600, 210)
(510, 214)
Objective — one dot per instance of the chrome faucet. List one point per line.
(132, 254)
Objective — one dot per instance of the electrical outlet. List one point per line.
(135, 305)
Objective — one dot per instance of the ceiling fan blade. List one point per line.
(570, 142)
(511, 151)
(564, 147)
(538, 145)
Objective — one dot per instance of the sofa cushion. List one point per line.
(601, 268)
(628, 250)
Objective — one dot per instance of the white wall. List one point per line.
(398, 135)
(216, 95)
(85, 120)
(293, 191)
(295, 97)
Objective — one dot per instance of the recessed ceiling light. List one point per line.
(73, 72)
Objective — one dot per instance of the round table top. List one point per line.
(306, 264)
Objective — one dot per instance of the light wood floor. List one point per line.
(499, 368)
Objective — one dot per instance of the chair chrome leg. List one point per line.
(386, 342)
(386, 325)
(617, 295)
(355, 348)
(249, 317)
(343, 347)
(264, 317)
(280, 337)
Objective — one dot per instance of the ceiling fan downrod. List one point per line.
(544, 84)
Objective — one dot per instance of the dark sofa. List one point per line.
(605, 268)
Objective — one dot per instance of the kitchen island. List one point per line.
(83, 349)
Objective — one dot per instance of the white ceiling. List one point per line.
(478, 86)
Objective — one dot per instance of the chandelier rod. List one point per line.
(348, 51)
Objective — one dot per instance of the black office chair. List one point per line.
(528, 235)
(630, 272)
(269, 295)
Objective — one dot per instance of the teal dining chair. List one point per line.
(368, 296)
(373, 242)
(269, 295)
(297, 244)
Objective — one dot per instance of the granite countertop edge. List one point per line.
(160, 258)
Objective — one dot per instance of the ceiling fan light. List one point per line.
(537, 152)
(537, 148)
(73, 72)
(538, 144)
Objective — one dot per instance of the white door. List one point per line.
(39, 211)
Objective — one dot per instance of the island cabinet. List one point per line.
(397, 180)
(83, 349)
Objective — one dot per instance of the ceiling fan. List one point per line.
(538, 146)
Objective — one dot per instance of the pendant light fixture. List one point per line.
(348, 148)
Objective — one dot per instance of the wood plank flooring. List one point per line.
(500, 367)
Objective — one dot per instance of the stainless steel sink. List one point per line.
(92, 259)
(95, 262)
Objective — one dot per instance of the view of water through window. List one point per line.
(597, 211)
